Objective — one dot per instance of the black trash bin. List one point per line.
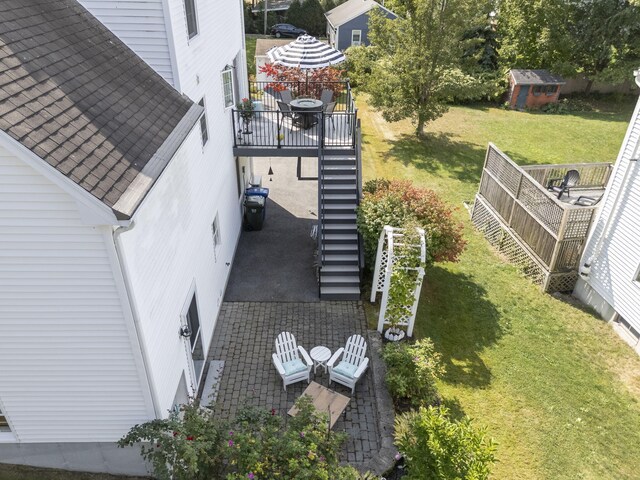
(255, 202)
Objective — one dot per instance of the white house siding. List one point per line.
(141, 25)
(68, 367)
(171, 248)
(613, 271)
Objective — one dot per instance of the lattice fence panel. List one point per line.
(578, 222)
(384, 258)
(540, 205)
(505, 243)
(562, 282)
(569, 255)
(503, 169)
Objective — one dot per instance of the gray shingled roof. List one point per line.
(80, 99)
(349, 10)
(536, 77)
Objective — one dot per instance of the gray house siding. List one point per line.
(361, 22)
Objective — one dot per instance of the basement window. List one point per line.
(4, 424)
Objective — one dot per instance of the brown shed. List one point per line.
(533, 88)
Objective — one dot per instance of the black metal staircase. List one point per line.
(338, 242)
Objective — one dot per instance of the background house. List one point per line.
(348, 23)
(610, 272)
(533, 88)
(120, 214)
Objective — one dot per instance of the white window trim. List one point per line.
(636, 277)
(186, 22)
(203, 104)
(193, 292)
(233, 88)
(359, 42)
(7, 436)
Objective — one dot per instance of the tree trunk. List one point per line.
(420, 127)
(587, 89)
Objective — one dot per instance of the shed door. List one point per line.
(522, 96)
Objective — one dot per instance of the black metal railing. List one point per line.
(358, 150)
(268, 93)
(275, 129)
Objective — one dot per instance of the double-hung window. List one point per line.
(204, 133)
(356, 37)
(192, 18)
(227, 87)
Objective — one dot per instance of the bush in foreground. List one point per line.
(438, 448)
(398, 203)
(412, 371)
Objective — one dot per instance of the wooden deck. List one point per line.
(534, 229)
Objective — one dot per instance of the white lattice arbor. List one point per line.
(390, 242)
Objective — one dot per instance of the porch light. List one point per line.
(185, 331)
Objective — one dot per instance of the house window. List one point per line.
(192, 20)
(356, 37)
(204, 133)
(551, 89)
(192, 319)
(4, 424)
(538, 89)
(637, 277)
(227, 87)
(217, 239)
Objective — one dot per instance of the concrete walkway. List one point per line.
(277, 262)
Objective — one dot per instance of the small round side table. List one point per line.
(320, 355)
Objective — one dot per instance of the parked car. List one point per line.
(286, 30)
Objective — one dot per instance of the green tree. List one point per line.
(416, 69)
(438, 448)
(606, 39)
(328, 5)
(313, 20)
(294, 14)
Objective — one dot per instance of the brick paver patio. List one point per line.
(244, 339)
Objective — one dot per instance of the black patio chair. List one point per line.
(585, 201)
(285, 110)
(286, 96)
(570, 180)
(328, 112)
(326, 96)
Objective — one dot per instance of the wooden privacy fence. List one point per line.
(528, 224)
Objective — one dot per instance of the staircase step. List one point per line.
(340, 259)
(338, 170)
(339, 280)
(340, 247)
(338, 188)
(328, 198)
(338, 158)
(339, 208)
(329, 270)
(339, 218)
(342, 179)
(340, 293)
(340, 237)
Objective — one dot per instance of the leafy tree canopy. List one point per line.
(415, 65)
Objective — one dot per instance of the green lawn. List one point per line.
(556, 387)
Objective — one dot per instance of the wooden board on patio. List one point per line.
(325, 400)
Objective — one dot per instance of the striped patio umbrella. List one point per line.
(307, 53)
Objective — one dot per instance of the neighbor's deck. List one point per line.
(534, 229)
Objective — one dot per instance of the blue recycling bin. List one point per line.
(255, 203)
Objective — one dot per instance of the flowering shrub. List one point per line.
(186, 446)
(412, 371)
(398, 203)
(288, 78)
(245, 107)
(261, 446)
(438, 448)
(256, 445)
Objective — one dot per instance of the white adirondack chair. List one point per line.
(353, 364)
(287, 360)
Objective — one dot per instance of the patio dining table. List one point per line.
(308, 109)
